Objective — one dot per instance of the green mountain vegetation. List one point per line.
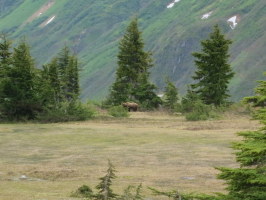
(172, 32)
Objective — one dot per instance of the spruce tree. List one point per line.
(260, 98)
(5, 54)
(62, 67)
(104, 187)
(213, 71)
(19, 90)
(132, 75)
(249, 181)
(64, 76)
(5, 65)
(171, 96)
(72, 79)
(53, 76)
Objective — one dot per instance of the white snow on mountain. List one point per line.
(206, 15)
(173, 3)
(50, 20)
(232, 21)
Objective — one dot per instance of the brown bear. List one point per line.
(131, 106)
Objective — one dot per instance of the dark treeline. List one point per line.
(29, 93)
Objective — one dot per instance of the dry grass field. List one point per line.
(49, 161)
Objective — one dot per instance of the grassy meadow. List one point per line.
(49, 161)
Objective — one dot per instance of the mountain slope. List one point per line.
(172, 30)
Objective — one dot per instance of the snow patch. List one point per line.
(206, 15)
(39, 12)
(50, 20)
(173, 3)
(233, 21)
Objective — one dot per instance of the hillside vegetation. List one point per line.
(94, 28)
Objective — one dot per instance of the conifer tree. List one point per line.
(5, 54)
(104, 187)
(48, 86)
(62, 67)
(19, 90)
(213, 71)
(72, 80)
(64, 76)
(249, 181)
(5, 64)
(260, 98)
(132, 75)
(171, 95)
(54, 80)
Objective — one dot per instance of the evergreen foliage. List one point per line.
(194, 109)
(189, 100)
(213, 71)
(132, 74)
(104, 187)
(118, 111)
(5, 65)
(249, 181)
(50, 94)
(171, 195)
(5, 54)
(171, 96)
(19, 90)
(132, 193)
(83, 191)
(67, 70)
(260, 98)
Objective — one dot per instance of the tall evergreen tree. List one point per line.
(62, 65)
(132, 74)
(53, 74)
(249, 181)
(213, 71)
(72, 74)
(19, 90)
(5, 64)
(64, 76)
(5, 54)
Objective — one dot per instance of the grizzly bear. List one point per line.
(131, 106)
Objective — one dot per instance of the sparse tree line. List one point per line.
(52, 93)
(208, 93)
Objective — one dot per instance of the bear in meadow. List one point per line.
(131, 106)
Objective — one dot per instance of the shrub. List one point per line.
(83, 192)
(199, 111)
(118, 111)
(194, 109)
(73, 111)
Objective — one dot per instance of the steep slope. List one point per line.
(172, 30)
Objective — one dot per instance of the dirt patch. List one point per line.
(39, 12)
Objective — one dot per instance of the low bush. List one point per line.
(118, 111)
(73, 111)
(83, 192)
(199, 111)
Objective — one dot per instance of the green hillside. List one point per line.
(93, 30)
